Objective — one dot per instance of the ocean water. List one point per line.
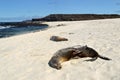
(8, 31)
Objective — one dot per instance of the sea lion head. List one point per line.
(55, 64)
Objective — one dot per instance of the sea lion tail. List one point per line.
(105, 58)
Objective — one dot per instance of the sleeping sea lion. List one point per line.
(74, 52)
(57, 38)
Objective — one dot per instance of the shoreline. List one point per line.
(12, 31)
(22, 24)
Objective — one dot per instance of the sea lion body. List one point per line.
(61, 56)
(57, 38)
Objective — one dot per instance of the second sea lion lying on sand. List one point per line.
(73, 52)
(57, 38)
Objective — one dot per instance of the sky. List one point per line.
(41, 8)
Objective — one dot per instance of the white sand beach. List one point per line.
(25, 57)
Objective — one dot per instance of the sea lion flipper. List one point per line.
(76, 52)
(103, 57)
(93, 59)
(76, 57)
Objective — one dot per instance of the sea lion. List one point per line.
(57, 38)
(86, 51)
(61, 56)
(74, 52)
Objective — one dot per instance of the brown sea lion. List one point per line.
(61, 56)
(73, 52)
(85, 51)
(57, 38)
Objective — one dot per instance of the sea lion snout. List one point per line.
(58, 67)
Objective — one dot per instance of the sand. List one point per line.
(25, 57)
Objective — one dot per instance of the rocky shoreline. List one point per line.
(22, 24)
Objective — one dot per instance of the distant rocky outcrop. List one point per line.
(59, 17)
(75, 17)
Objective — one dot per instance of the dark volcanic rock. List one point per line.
(76, 17)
